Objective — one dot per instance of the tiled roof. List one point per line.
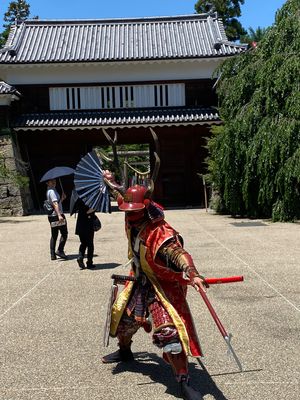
(156, 38)
(5, 88)
(124, 118)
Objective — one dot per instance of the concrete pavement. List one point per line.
(51, 313)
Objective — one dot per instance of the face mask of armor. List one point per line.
(135, 216)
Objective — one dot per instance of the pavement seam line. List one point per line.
(57, 388)
(251, 269)
(29, 291)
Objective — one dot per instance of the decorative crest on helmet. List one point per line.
(135, 197)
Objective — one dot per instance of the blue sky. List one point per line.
(254, 12)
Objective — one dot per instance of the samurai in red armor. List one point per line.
(162, 271)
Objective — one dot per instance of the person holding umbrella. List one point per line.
(57, 221)
(57, 218)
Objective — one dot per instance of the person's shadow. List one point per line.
(105, 266)
(153, 366)
(96, 266)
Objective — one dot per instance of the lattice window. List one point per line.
(112, 97)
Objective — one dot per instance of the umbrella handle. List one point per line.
(62, 189)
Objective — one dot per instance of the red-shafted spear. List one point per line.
(227, 337)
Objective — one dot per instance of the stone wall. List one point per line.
(13, 200)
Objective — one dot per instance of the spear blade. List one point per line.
(227, 337)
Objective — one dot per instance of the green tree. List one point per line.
(255, 156)
(17, 11)
(254, 35)
(136, 155)
(228, 11)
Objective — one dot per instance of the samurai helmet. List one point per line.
(133, 199)
(138, 198)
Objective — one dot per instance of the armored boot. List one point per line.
(187, 392)
(124, 354)
(179, 365)
(147, 325)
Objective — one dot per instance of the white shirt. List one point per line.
(52, 196)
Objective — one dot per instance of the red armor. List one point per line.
(133, 199)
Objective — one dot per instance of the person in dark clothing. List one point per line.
(85, 230)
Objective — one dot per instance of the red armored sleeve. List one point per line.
(174, 254)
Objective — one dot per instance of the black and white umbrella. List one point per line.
(89, 183)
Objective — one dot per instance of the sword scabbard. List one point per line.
(112, 298)
(227, 279)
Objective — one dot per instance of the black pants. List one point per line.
(87, 242)
(63, 229)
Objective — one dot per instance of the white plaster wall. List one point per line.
(109, 72)
(5, 100)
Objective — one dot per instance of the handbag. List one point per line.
(48, 207)
(96, 224)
